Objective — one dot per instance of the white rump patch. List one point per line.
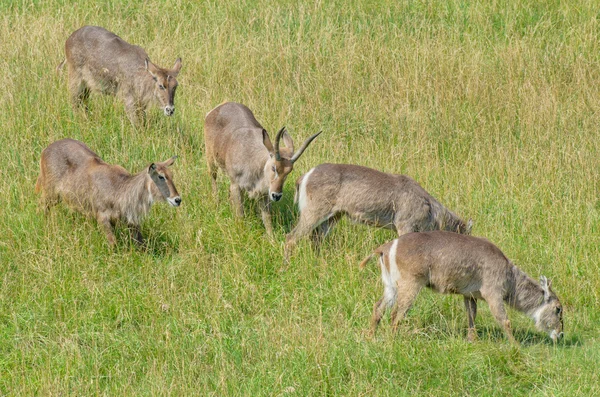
(302, 198)
(390, 278)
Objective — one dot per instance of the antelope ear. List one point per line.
(170, 161)
(176, 67)
(267, 141)
(287, 141)
(469, 226)
(152, 168)
(545, 284)
(151, 68)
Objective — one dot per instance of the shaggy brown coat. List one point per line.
(101, 61)
(73, 173)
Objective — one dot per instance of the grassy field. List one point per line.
(493, 106)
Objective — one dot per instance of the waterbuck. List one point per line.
(329, 191)
(100, 61)
(241, 147)
(458, 264)
(71, 172)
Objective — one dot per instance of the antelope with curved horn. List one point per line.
(237, 143)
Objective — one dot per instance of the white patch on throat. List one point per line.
(150, 196)
(537, 313)
(302, 198)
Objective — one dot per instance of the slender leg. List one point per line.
(136, 234)
(265, 213)
(471, 307)
(235, 195)
(47, 203)
(378, 312)
(79, 92)
(320, 232)
(47, 200)
(499, 312)
(305, 225)
(212, 170)
(132, 110)
(408, 289)
(108, 228)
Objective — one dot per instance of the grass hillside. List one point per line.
(493, 106)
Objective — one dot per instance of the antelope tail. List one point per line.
(60, 66)
(38, 184)
(366, 260)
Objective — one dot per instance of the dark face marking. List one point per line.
(163, 179)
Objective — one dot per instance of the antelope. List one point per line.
(238, 145)
(465, 265)
(329, 191)
(100, 61)
(73, 173)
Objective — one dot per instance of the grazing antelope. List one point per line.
(241, 147)
(329, 191)
(470, 266)
(100, 61)
(71, 172)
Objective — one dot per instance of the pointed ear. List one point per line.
(170, 161)
(469, 226)
(267, 141)
(545, 284)
(151, 68)
(152, 168)
(176, 68)
(287, 141)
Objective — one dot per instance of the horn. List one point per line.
(276, 146)
(304, 146)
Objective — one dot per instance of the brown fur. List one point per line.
(71, 172)
(367, 196)
(237, 144)
(101, 61)
(458, 264)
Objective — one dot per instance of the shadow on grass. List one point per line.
(496, 334)
(525, 337)
(156, 244)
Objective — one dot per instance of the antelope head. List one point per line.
(549, 316)
(165, 84)
(162, 179)
(281, 161)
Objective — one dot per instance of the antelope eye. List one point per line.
(162, 87)
(162, 178)
(558, 311)
(274, 169)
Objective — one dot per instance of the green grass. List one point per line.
(492, 106)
